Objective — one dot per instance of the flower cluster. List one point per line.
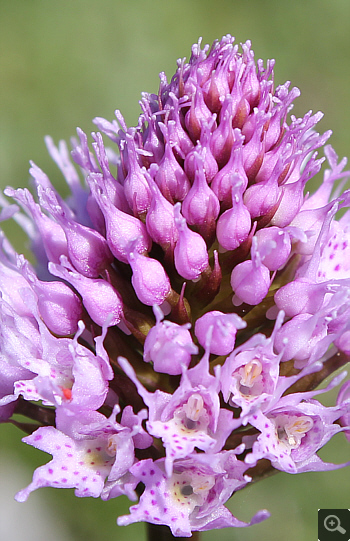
(187, 298)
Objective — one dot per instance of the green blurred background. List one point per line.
(64, 62)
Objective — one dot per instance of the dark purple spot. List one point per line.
(69, 455)
(50, 470)
(76, 473)
(38, 437)
(84, 478)
(152, 472)
(154, 502)
(64, 480)
(68, 445)
(337, 267)
(268, 435)
(266, 425)
(98, 448)
(64, 468)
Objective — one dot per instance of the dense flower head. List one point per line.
(186, 299)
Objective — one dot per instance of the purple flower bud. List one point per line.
(110, 186)
(87, 249)
(177, 135)
(253, 151)
(152, 139)
(223, 137)
(100, 299)
(191, 256)
(234, 224)
(250, 84)
(210, 165)
(198, 115)
(59, 306)
(262, 199)
(136, 187)
(300, 296)
(201, 207)
(278, 252)
(149, 279)
(224, 331)
(217, 86)
(240, 106)
(231, 174)
(121, 228)
(250, 280)
(170, 177)
(168, 345)
(160, 221)
(292, 195)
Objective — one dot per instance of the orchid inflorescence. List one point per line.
(186, 300)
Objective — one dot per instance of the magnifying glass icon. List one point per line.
(332, 524)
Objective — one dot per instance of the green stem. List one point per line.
(159, 532)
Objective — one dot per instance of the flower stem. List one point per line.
(159, 532)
